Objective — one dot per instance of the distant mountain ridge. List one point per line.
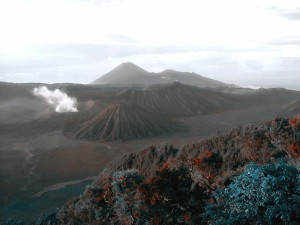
(138, 113)
(192, 79)
(178, 99)
(129, 74)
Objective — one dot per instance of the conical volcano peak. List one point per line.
(125, 121)
(125, 73)
(129, 67)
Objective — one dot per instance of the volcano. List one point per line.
(125, 121)
(129, 75)
(179, 99)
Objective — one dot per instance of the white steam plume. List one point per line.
(60, 101)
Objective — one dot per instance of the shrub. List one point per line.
(207, 163)
(294, 150)
(268, 194)
(171, 199)
(49, 219)
(12, 221)
(295, 122)
(127, 200)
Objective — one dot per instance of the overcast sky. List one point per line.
(245, 42)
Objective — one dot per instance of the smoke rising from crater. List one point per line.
(59, 100)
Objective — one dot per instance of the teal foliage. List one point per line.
(13, 221)
(268, 194)
(126, 203)
(49, 219)
(126, 180)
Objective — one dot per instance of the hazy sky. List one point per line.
(245, 42)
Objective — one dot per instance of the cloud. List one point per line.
(286, 41)
(59, 100)
(81, 63)
(212, 38)
(291, 15)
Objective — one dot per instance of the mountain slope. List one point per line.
(19, 104)
(273, 95)
(166, 185)
(178, 99)
(191, 79)
(291, 109)
(128, 74)
(124, 121)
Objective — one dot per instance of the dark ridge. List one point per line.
(263, 144)
(166, 185)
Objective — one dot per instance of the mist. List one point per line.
(59, 100)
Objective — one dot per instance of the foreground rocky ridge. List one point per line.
(167, 185)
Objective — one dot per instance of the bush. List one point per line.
(127, 200)
(12, 221)
(173, 198)
(49, 219)
(268, 194)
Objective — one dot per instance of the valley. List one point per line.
(47, 157)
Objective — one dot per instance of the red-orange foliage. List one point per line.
(294, 150)
(187, 217)
(200, 164)
(210, 176)
(206, 154)
(295, 122)
(141, 189)
(258, 154)
(146, 182)
(196, 161)
(167, 165)
(100, 198)
(107, 190)
(254, 143)
(154, 198)
(150, 180)
(155, 221)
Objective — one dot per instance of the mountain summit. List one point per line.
(128, 74)
(125, 73)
